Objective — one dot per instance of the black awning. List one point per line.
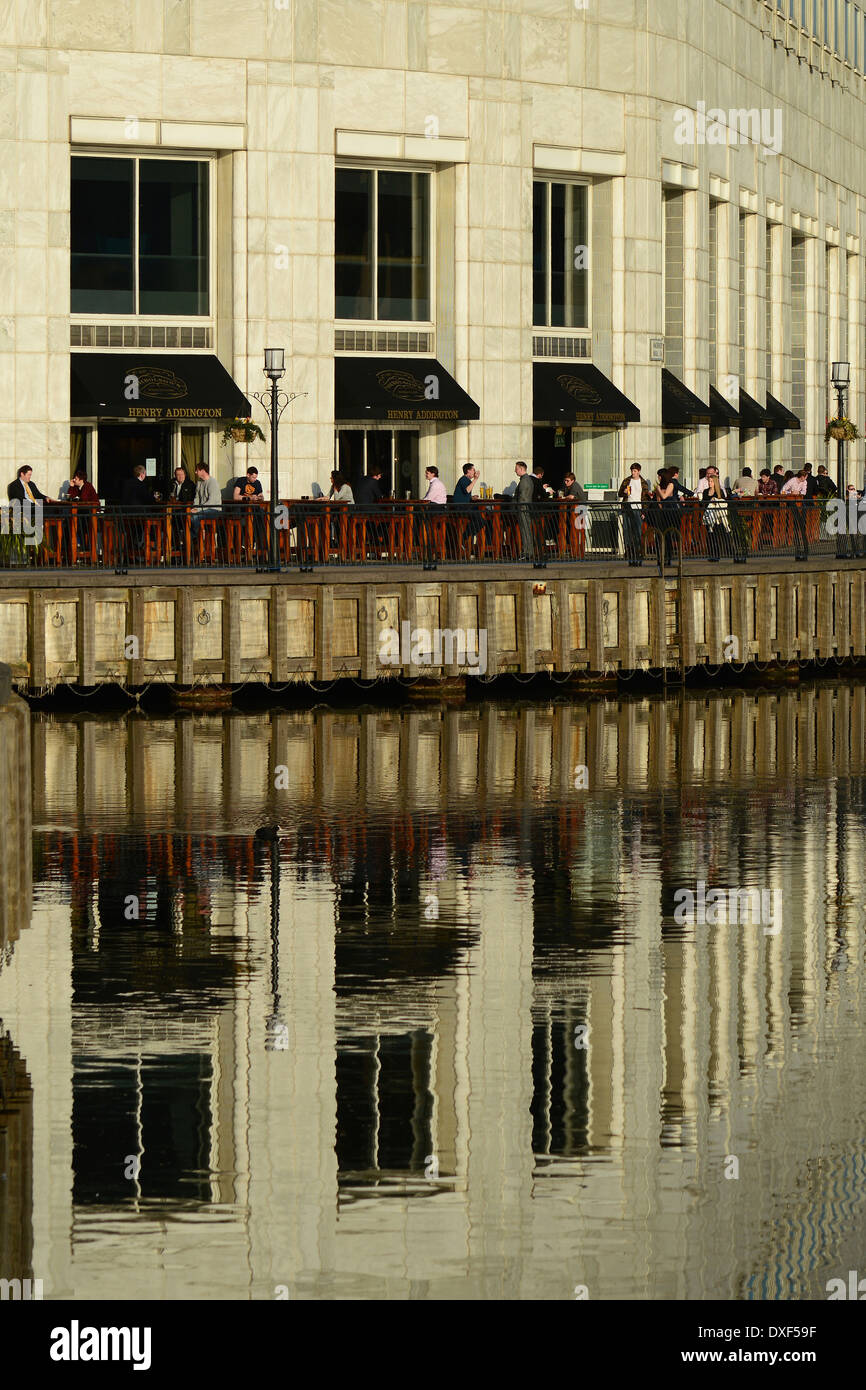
(680, 406)
(398, 388)
(781, 417)
(577, 393)
(142, 386)
(752, 415)
(722, 413)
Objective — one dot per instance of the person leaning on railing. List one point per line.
(634, 493)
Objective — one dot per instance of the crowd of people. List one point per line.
(722, 507)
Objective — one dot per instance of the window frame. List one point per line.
(393, 166)
(550, 328)
(206, 320)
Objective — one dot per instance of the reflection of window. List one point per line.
(677, 449)
(560, 255)
(139, 236)
(382, 245)
(596, 455)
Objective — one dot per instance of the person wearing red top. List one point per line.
(85, 494)
(80, 490)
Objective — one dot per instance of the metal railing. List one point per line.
(315, 534)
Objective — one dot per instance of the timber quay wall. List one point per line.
(232, 628)
(15, 814)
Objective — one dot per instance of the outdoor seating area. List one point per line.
(313, 534)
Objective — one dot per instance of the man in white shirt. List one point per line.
(796, 490)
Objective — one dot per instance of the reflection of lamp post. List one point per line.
(840, 376)
(276, 1029)
(275, 402)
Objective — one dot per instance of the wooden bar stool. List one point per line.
(207, 540)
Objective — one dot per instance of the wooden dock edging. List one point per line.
(230, 629)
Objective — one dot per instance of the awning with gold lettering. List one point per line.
(407, 389)
(142, 386)
(577, 393)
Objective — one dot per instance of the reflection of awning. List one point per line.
(752, 415)
(577, 393)
(781, 418)
(722, 413)
(398, 388)
(680, 406)
(142, 386)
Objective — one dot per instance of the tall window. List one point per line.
(741, 300)
(798, 348)
(673, 263)
(713, 253)
(768, 308)
(560, 255)
(139, 236)
(382, 245)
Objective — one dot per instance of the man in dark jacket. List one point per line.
(183, 488)
(135, 490)
(23, 489)
(369, 492)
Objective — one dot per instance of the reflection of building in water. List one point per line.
(456, 920)
(16, 1164)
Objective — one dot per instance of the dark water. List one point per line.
(449, 1036)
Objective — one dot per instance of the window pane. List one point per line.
(403, 282)
(101, 236)
(353, 247)
(569, 253)
(539, 254)
(173, 237)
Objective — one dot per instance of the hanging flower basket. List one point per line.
(242, 431)
(841, 428)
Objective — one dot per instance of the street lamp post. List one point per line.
(840, 376)
(274, 402)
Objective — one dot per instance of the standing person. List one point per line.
(664, 518)
(633, 493)
(795, 489)
(778, 476)
(713, 511)
(524, 496)
(136, 500)
(680, 489)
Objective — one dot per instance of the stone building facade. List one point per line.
(484, 231)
